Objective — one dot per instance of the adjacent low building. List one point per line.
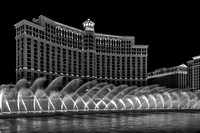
(193, 79)
(173, 77)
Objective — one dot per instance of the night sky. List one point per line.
(170, 29)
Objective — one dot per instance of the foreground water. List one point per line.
(129, 122)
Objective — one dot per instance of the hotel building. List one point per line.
(193, 79)
(174, 77)
(48, 48)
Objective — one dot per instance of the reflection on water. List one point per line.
(151, 122)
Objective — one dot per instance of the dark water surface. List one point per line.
(129, 122)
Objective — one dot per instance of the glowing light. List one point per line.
(94, 97)
(196, 57)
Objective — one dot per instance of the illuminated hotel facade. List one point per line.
(173, 77)
(47, 48)
(194, 73)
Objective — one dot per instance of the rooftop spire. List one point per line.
(88, 25)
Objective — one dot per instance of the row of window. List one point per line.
(113, 42)
(75, 40)
(20, 52)
(62, 32)
(20, 30)
(184, 71)
(44, 56)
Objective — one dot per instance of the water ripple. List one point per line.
(147, 122)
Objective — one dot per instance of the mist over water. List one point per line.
(113, 122)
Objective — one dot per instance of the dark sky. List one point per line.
(170, 29)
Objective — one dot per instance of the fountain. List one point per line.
(91, 97)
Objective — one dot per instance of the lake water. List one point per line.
(129, 122)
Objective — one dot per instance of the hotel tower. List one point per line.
(48, 48)
(194, 73)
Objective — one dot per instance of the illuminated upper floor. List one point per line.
(195, 62)
(54, 32)
(181, 69)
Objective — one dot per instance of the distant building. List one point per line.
(48, 48)
(193, 77)
(174, 77)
